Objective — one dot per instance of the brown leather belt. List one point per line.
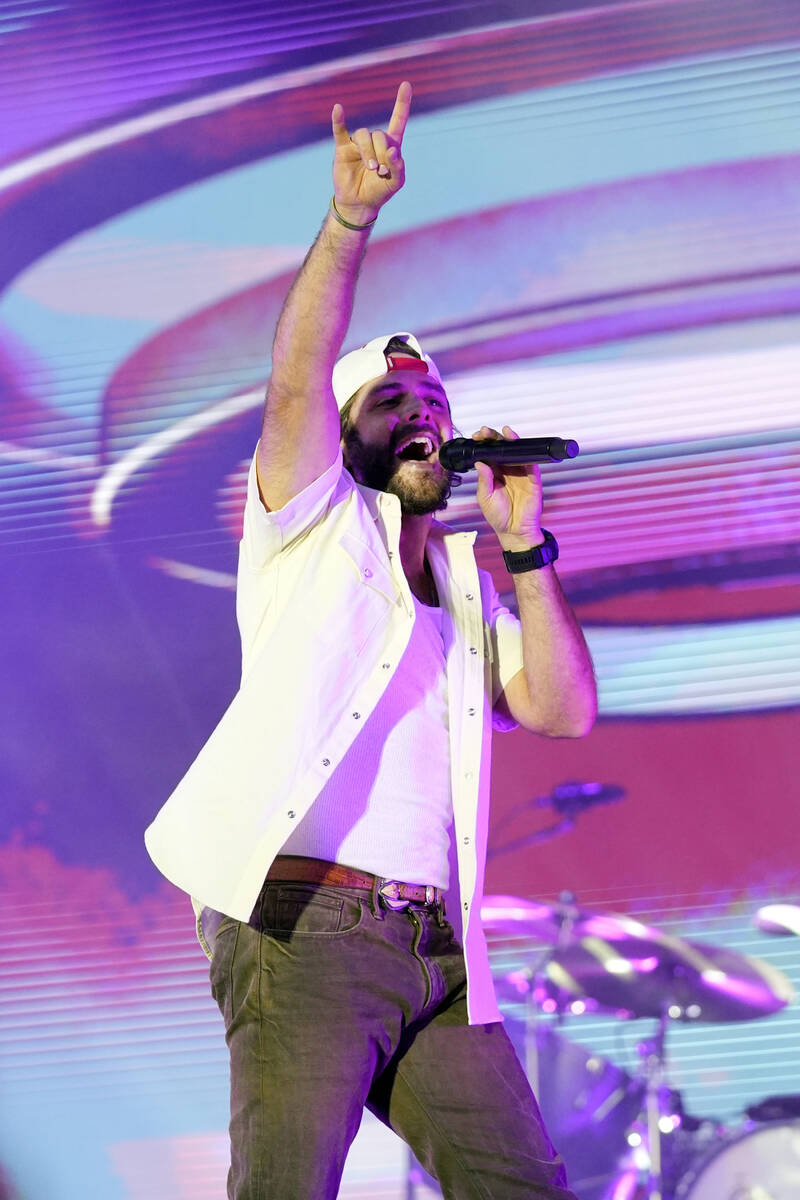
(293, 868)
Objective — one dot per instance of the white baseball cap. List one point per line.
(358, 367)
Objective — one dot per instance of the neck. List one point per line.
(413, 539)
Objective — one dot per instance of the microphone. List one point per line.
(461, 454)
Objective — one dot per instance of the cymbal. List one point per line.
(509, 918)
(640, 977)
(781, 919)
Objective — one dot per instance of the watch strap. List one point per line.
(518, 561)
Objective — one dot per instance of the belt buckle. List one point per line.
(389, 891)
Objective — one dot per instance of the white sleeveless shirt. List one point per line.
(387, 808)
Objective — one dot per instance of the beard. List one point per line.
(419, 491)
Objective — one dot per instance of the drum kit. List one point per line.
(626, 1136)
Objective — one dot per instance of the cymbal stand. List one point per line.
(539, 972)
(652, 1053)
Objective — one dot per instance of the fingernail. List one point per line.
(383, 170)
(373, 164)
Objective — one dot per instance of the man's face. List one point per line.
(397, 424)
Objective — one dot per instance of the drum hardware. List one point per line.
(775, 1108)
(594, 961)
(645, 1172)
(648, 974)
(588, 1103)
(514, 918)
(691, 981)
(760, 1162)
(661, 1116)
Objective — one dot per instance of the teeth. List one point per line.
(425, 442)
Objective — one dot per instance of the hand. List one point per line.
(368, 167)
(510, 497)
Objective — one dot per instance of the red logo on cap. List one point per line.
(406, 362)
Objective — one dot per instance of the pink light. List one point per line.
(625, 1187)
(644, 965)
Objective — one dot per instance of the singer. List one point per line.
(345, 790)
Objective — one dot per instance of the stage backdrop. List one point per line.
(599, 239)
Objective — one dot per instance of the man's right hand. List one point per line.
(368, 166)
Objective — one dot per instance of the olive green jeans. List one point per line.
(331, 1003)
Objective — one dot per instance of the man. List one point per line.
(347, 785)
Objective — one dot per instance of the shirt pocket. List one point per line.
(371, 596)
(373, 572)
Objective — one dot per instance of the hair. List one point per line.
(396, 345)
(345, 423)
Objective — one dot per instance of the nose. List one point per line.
(419, 408)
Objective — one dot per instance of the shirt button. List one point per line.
(473, 650)
(466, 905)
(290, 813)
(367, 573)
(386, 666)
(466, 841)
(468, 775)
(471, 712)
(326, 762)
(470, 596)
(356, 716)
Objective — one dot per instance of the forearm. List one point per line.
(301, 427)
(316, 314)
(561, 689)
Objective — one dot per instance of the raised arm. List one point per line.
(300, 431)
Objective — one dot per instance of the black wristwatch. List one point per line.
(530, 560)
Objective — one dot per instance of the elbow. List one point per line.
(583, 718)
(574, 722)
(579, 726)
(582, 712)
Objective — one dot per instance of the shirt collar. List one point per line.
(386, 507)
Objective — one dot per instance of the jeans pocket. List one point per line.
(291, 910)
(221, 969)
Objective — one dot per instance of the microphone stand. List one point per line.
(567, 799)
(533, 839)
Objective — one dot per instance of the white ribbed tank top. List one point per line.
(388, 807)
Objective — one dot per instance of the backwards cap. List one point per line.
(375, 359)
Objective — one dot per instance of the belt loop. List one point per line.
(375, 898)
(441, 909)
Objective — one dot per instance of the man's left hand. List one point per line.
(510, 497)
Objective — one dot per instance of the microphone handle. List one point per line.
(461, 454)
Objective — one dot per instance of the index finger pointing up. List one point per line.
(340, 134)
(402, 107)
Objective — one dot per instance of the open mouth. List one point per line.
(419, 447)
